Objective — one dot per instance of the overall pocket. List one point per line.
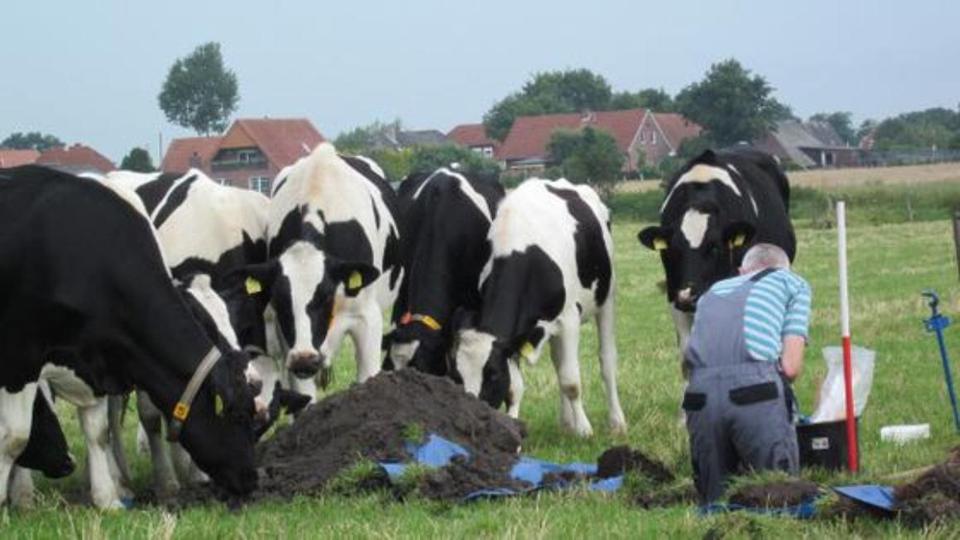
(754, 393)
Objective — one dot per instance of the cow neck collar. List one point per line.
(182, 409)
(425, 320)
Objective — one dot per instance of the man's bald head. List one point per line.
(763, 256)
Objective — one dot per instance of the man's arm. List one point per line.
(791, 362)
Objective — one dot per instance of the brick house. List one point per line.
(635, 131)
(14, 158)
(75, 159)
(809, 145)
(660, 136)
(474, 137)
(249, 154)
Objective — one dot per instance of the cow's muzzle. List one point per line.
(304, 365)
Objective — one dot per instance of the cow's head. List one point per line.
(219, 430)
(479, 361)
(302, 285)
(419, 342)
(697, 251)
(214, 315)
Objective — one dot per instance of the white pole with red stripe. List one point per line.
(852, 453)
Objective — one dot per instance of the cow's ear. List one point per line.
(738, 234)
(354, 275)
(654, 237)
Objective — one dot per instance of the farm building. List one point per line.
(14, 158)
(636, 131)
(249, 154)
(809, 145)
(76, 159)
(474, 137)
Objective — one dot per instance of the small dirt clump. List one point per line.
(374, 421)
(619, 460)
(775, 494)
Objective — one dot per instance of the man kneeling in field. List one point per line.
(747, 344)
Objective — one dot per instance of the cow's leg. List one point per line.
(606, 333)
(187, 470)
(366, 334)
(151, 419)
(515, 394)
(16, 416)
(96, 430)
(21, 488)
(683, 323)
(567, 364)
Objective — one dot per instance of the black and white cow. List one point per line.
(334, 264)
(551, 268)
(717, 206)
(445, 220)
(88, 305)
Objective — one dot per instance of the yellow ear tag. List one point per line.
(180, 411)
(253, 286)
(659, 244)
(739, 240)
(355, 281)
(217, 404)
(527, 350)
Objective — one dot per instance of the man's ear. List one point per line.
(654, 237)
(354, 275)
(738, 234)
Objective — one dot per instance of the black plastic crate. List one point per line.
(824, 444)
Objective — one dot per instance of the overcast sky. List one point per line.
(91, 71)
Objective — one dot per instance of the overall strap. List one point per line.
(762, 274)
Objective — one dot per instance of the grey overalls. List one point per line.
(736, 412)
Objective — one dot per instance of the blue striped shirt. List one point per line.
(777, 306)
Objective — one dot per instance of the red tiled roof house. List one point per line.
(249, 154)
(474, 137)
(76, 159)
(14, 158)
(635, 131)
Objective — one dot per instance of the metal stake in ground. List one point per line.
(936, 324)
(853, 463)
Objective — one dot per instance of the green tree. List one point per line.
(430, 158)
(590, 156)
(396, 164)
(841, 122)
(200, 92)
(138, 159)
(573, 90)
(33, 140)
(918, 129)
(655, 99)
(362, 138)
(866, 127)
(731, 103)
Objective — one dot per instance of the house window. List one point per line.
(261, 184)
(653, 137)
(246, 156)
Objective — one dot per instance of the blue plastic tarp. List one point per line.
(872, 495)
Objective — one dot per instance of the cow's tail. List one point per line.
(116, 409)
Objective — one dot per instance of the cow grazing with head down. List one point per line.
(551, 267)
(445, 220)
(89, 306)
(334, 265)
(717, 206)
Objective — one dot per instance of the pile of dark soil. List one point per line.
(776, 494)
(934, 496)
(374, 421)
(622, 459)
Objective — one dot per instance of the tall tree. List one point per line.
(430, 158)
(200, 92)
(363, 138)
(138, 159)
(936, 127)
(655, 99)
(590, 156)
(33, 140)
(573, 90)
(841, 122)
(731, 103)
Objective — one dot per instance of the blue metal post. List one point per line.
(937, 323)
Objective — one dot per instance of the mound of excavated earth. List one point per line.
(374, 421)
(934, 496)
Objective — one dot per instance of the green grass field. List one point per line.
(889, 265)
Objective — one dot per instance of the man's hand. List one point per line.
(792, 360)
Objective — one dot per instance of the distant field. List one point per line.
(840, 178)
(890, 265)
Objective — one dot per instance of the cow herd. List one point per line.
(219, 306)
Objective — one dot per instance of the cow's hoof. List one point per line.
(618, 428)
(110, 505)
(583, 430)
